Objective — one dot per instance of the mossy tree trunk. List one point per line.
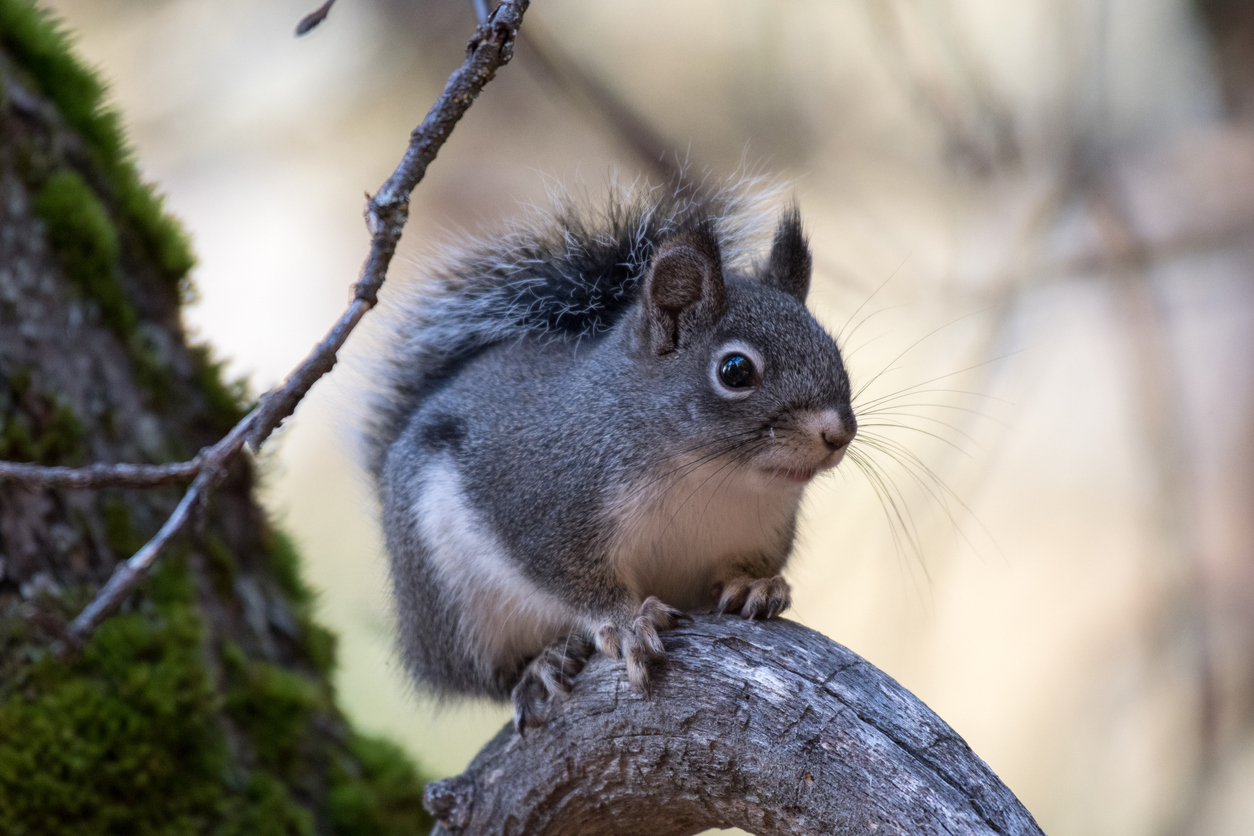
(205, 706)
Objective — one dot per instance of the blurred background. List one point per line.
(1033, 226)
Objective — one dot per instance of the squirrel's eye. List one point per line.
(736, 371)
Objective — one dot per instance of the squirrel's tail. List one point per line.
(568, 274)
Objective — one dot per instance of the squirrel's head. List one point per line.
(759, 380)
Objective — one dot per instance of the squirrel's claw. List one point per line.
(638, 643)
(548, 676)
(760, 598)
(661, 615)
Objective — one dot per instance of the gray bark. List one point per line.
(765, 726)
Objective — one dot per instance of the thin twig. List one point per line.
(130, 572)
(101, 475)
(386, 213)
(311, 20)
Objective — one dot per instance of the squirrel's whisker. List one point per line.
(840, 334)
(865, 425)
(915, 416)
(696, 463)
(892, 363)
(894, 509)
(908, 459)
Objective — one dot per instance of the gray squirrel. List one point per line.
(588, 426)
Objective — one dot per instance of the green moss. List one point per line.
(58, 439)
(63, 440)
(225, 403)
(162, 238)
(269, 811)
(151, 375)
(17, 444)
(84, 238)
(283, 562)
(274, 708)
(19, 381)
(129, 738)
(43, 48)
(318, 644)
(222, 565)
(382, 796)
(120, 535)
(123, 741)
(40, 45)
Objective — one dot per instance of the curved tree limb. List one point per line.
(765, 726)
(387, 210)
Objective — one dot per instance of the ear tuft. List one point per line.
(790, 264)
(684, 289)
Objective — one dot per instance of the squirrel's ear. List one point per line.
(788, 268)
(684, 292)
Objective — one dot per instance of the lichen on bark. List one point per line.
(206, 705)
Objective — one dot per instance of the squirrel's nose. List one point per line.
(838, 432)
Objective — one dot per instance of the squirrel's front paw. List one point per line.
(548, 676)
(637, 642)
(754, 598)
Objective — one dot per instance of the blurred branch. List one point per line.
(581, 85)
(1156, 380)
(311, 20)
(983, 138)
(765, 726)
(490, 48)
(1231, 25)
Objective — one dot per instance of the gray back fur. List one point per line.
(567, 275)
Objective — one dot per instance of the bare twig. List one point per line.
(386, 213)
(130, 572)
(102, 475)
(311, 20)
(765, 726)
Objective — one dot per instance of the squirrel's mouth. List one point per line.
(800, 475)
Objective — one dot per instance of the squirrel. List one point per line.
(586, 427)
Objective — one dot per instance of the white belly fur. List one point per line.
(679, 534)
(507, 616)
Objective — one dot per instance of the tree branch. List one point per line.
(765, 726)
(130, 572)
(101, 475)
(489, 49)
(582, 86)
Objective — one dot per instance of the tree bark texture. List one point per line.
(205, 705)
(765, 726)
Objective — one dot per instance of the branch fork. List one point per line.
(387, 212)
